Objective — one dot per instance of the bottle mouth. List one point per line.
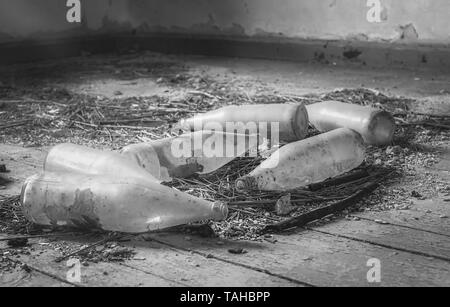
(47, 158)
(301, 122)
(221, 210)
(23, 191)
(25, 188)
(246, 183)
(383, 128)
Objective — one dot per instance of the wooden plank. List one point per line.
(322, 260)
(196, 270)
(425, 215)
(154, 265)
(22, 278)
(96, 274)
(395, 237)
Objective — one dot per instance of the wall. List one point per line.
(22, 18)
(406, 21)
(402, 20)
(36, 19)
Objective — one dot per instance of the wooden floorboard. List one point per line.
(22, 278)
(413, 246)
(154, 264)
(96, 274)
(197, 270)
(391, 236)
(426, 215)
(322, 260)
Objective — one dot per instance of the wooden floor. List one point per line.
(413, 247)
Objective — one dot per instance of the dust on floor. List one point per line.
(112, 101)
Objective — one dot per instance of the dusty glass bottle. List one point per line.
(111, 203)
(308, 161)
(71, 158)
(376, 126)
(277, 122)
(200, 152)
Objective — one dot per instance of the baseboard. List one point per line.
(37, 50)
(328, 52)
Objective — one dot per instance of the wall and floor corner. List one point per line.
(372, 32)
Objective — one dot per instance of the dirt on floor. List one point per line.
(113, 101)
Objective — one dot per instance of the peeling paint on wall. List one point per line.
(306, 19)
(402, 21)
(408, 33)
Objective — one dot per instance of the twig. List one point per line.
(340, 180)
(254, 214)
(429, 114)
(112, 126)
(170, 110)
(16, 124)
(436, 125)
(26, 100)
(425, 123)
(37, 236)
(203, 93)
(133, 120)
(252, 203)
(262, 203)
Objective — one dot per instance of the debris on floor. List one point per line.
(48, 114)
(20, 242)
(284, 206)
(237, 251)
(12, 220)
(3, 169)
(75, 188)
(200, 230)
(110, 252)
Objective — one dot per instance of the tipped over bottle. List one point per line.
(71, 158)
(201, 152)
(111, 203)
(306, 162)
(278, 122)
(376, 126)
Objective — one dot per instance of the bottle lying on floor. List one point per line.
(306, 162)
(111, 203)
